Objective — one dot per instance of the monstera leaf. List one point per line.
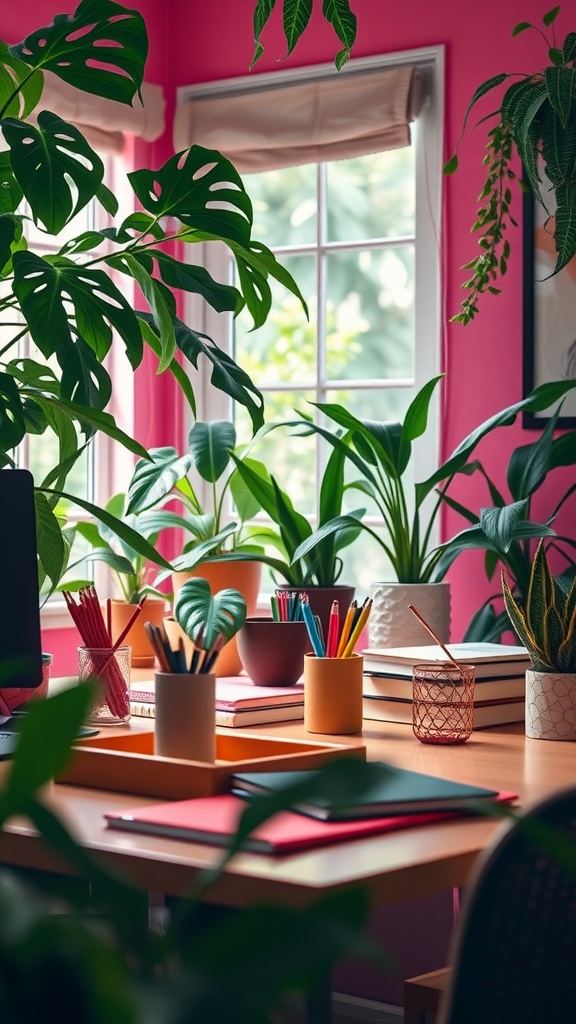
(204, 616)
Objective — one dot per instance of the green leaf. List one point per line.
(177, 371)
(555, 56)
(124, 532)
(415, 421)
(20, 91)
(196, 609)
(296, 15)
(521, 27)
(201, 188)
(226, 375)
(155, 477)
(499, 524)
(96, 419)
(60, 718)
(262, 12)
(44, 286)
(162, 314)
(107, 199)
(560, 83)
(343, 21)
(58, 172)
(255, 263)
(245, 503)
(451, 165)
(51, 547)
(569, 48)
(10, 192)
(8, 228)
(222, 297)
(551, 16)
(565, 230)
(100, 49)
(12, 424)
(210, 445)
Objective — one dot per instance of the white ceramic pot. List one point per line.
(392, 624)
(550, 705)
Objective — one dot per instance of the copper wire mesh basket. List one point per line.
(443, 702)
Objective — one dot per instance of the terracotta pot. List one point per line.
(392, 624)
(185, 723)
(550, 705)
(243, 575)
(153, 611)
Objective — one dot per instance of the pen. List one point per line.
(362, 620)
(346, 629)
(333, 625)
(312, 631)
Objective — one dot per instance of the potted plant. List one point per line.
(130, 569)
(222, 552)
(381, 453)
(505, 530)
(68, 300)
(546, 625)
(536, 118)
(316, 572)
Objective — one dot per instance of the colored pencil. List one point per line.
(345, 634)
(333, 627)
(362, 620)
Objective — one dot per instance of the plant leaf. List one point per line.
(58, 172)
(262, 12)
(343, 21)
(100, 49)
(197, 609)
(529, 464)
(19, 90)
(155, 477)
(560, 88)
(296, 15)
(51, 547)
(202, 189)
(551, 16)
(210, 445)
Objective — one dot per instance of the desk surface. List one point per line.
(395, 867)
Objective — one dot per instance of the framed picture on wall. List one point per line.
(549, 314)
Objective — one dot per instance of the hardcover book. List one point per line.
(396, 791)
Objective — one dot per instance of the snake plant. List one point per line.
(546, 624)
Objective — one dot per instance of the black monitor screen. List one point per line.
(20, 641)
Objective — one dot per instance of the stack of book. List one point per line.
(500, 672)
(239, 703)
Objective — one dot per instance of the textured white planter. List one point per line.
(391, 624)
(550, 705)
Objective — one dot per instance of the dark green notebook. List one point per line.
(397, 792)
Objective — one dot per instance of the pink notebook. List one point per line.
(234, 693)
(214, 819)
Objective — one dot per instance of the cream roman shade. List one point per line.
(105, 122)
(330, 118)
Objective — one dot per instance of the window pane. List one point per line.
(370, 307)
(284, 348)
(371, 196)
(285, 206)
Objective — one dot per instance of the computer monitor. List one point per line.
(20, 640)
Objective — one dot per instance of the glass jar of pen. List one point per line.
(333, 672)
(102, 661)
(185, 685)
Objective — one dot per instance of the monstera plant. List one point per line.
(66, 298)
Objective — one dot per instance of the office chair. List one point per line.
(514, 947)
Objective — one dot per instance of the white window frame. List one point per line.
(428, 140)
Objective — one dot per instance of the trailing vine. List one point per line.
(537, 117)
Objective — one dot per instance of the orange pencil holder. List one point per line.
(333, 694)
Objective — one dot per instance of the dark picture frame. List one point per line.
(548, 318)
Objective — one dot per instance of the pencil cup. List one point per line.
(333, 694)
(273, 652)
(111, 671)
(185, 722)
(443, 702)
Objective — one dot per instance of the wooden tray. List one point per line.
(125, 762)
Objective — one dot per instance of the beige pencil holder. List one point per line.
(185, 723)
(333, 694)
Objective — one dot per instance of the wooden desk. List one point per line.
(394, 867)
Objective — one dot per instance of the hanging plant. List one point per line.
(537, 119)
